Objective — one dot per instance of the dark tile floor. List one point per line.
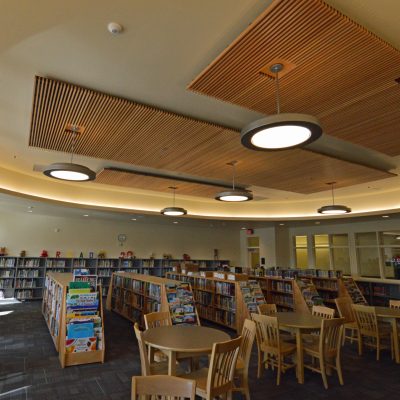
(29, 367)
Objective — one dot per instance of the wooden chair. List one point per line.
(267, 309)
(272, 348)
(218, 378)
(162, 387)
(327, 349)
(242, 365)
(368, 326)
(154, 320)
(394, 304)
(343, 304)
(323, 312)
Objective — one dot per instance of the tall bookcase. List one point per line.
(23, 277)
(219, 298)
(54, 310)
(133, 295)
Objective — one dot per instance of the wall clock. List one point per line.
(121, 238)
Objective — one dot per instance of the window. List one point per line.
(301, 252)
(390, 242)
(368, 254)
(321, 251)
(340, 253)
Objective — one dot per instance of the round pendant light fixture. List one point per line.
(334, 209)
(234, 195)
(173, 211)
(280, 131)
(70, 171)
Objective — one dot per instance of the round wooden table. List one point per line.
(391, 315)
(183, 339)
(299, 323)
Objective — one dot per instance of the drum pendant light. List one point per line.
(234, 195)
(280, 131)
(173, 211)
(70, 171)
(334, 209)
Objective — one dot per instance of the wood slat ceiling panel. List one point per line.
(124, 131)
(338, 64)
(127, 179)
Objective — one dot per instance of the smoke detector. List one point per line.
(114, 28)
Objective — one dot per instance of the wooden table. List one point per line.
(193, 340)
(299, 323)
(391, 315)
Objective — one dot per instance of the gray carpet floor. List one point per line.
(30, 369)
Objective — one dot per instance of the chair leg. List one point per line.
(378, 348)
(360, 344)
(229, 395)
(339, 369)
(323, 372)
(260, 363)
(278, 378)
(245, 386)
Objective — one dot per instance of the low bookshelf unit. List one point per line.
(72, 307)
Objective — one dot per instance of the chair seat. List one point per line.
(313, 350)
(200, 376)
(351, 325)
(286, 348)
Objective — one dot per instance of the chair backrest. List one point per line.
(268, 332)
(330, 339)
(267, 309)
(144, 360)
(394, 303)
(222, 367)
(343, 305)
(156, 319)
(248, 336)
(323, 312)
(366, 319)
(162, 387)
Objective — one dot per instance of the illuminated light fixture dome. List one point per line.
(280, 131)
(70, 171)
(334, 209)
(234, 195)
(173, 211)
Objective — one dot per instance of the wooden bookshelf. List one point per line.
(378, 292)
(54, 308)
(133, 295)
(23, 277)
(218, 298)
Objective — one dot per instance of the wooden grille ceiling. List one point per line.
(127, 179)
(124, 131)
(343, 74)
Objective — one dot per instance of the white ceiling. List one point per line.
(163, 47)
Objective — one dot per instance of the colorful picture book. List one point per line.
(181, 304)
(252, 295)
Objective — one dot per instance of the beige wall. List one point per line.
(30, 232)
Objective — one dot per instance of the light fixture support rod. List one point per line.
(276, 68)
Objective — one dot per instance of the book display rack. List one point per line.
(74, 316)
(219, 298)
(23, 277)
(133, 295)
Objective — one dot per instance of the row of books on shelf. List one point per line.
(6, 283)
(205, 298)
(225, 288)
(353, 290)
(309, 292)
(292, 273)
(83, 320)
(282, 300)
(7, 273)
(228, 303)
(286, 287)
(326, 284)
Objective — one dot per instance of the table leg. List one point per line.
(395, 340)
(300, 357)
(172, 363)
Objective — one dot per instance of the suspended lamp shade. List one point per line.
(334, 209)
(234, 195)
(281, 131)
(173, 211)
(69, 172)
